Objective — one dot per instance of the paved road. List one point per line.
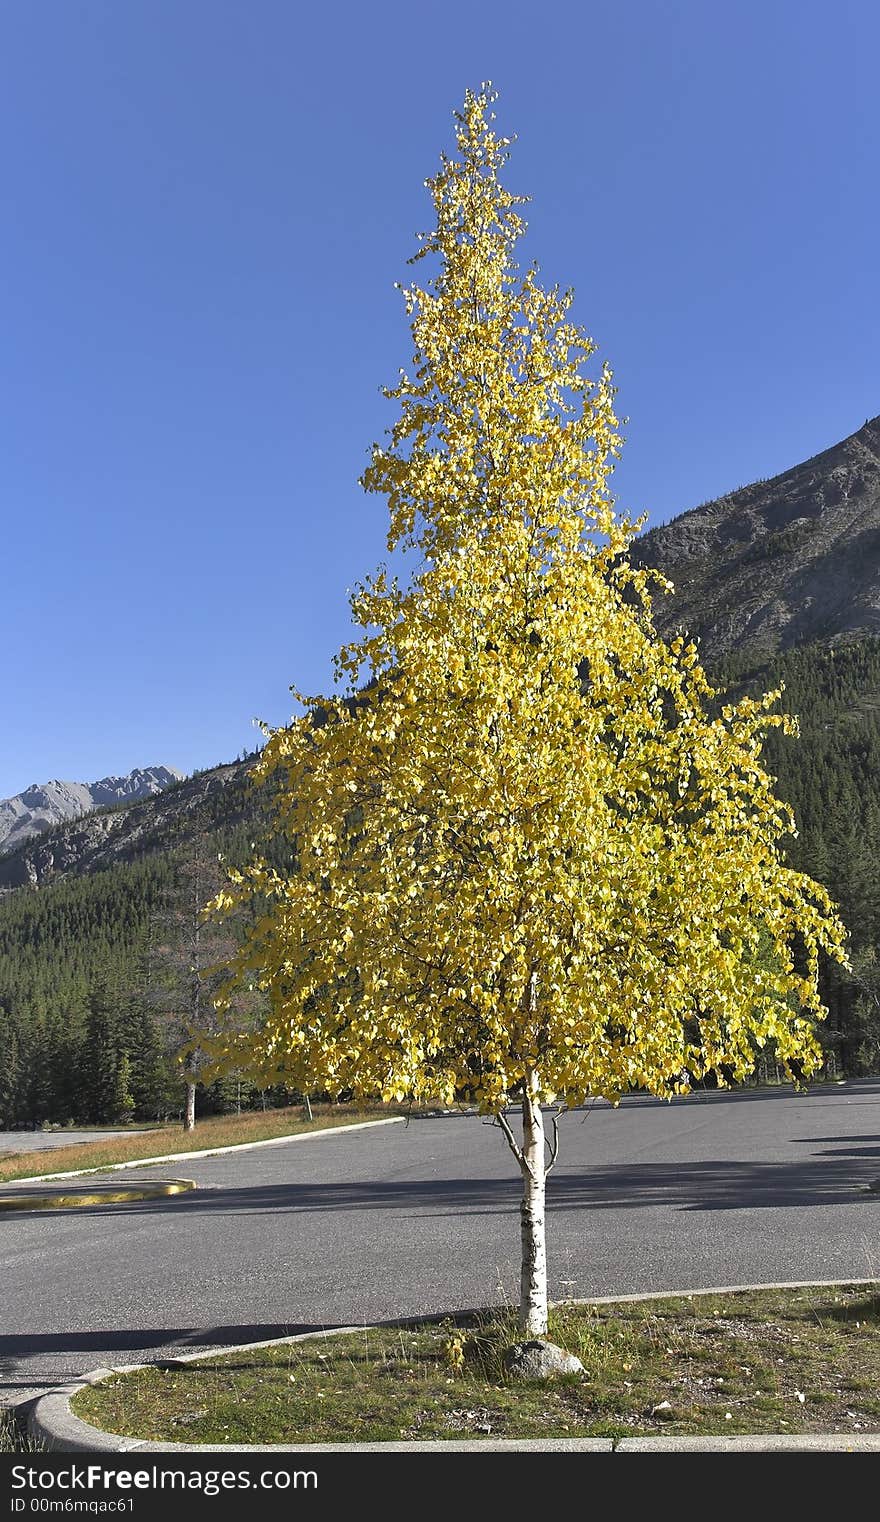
(38, 1141)
(399, 1220)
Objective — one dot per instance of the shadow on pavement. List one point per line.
(186, 1339)
(836, 1178)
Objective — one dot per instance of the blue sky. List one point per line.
(206, 206)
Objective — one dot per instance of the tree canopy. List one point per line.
(536, 859)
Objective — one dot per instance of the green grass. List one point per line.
(14, 1438)
(216, 1131)
(796, 1361)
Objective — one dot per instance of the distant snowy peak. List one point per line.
(45, 804)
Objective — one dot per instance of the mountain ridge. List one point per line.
(174, 817)
(45, 804)
(787, 561)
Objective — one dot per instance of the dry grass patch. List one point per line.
(793, 1361)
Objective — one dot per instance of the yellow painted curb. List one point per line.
(146, 1191)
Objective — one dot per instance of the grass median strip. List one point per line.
(795, 1361)
(216, 1131)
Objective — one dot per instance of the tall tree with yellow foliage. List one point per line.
(534, 864)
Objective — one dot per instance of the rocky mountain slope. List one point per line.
(43, 805)
(160, 820)
(783, 562)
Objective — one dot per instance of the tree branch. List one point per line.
(553, 1142)
(512, 1143)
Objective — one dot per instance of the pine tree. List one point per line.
(102, 1055)
(121, 1107)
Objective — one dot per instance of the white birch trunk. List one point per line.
(189, 1119)
(533, 1283)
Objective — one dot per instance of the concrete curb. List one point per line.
(154, 1189)
(179, 1157)
(766, 1442)
(51, 1421)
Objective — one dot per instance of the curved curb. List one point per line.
(154, 1190)
(51, 1421)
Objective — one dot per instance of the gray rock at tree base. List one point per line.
(539, 1360)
